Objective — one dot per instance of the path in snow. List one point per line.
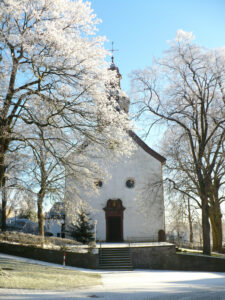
(138, 284)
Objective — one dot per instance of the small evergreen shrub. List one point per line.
(82, 231)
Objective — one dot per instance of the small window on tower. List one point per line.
(130, 183)
(99, 183)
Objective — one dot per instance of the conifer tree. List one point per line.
(82, 231)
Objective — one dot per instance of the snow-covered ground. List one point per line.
(138, 284)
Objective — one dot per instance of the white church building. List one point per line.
(130, 204)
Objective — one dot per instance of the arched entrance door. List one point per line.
(114, 220)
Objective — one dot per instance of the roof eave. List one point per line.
(146, 148)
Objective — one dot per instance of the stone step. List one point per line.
(115, 259)
(116, 268)
(122, 252)
(114, 253)
(114, 249)
(111, 265)
(114, 256)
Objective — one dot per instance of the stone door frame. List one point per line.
(114, 208)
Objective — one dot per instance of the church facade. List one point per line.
(129, 206)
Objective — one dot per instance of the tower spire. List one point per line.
(114, 88)
(113, 67)
(113, 50)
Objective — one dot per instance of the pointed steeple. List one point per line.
(113, 67)
(115, 89)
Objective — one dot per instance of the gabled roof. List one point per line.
(146, 148)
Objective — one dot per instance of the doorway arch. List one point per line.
(114, 220)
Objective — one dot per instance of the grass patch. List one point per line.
(199, 252)
(218, 254)
(22, 275)
(36, 240)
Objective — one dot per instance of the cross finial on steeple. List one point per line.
(113, 50)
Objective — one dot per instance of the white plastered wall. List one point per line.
(144, 213)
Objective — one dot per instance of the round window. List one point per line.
(130, 183)
(99, 183)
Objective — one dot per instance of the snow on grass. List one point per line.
(20, 274)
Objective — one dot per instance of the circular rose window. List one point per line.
(99, 183)
(130, 183)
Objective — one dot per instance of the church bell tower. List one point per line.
(114, 88)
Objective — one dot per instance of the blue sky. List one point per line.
(140, 29)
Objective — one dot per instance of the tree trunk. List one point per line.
(40, 213)
(205, 226)
(190, 222)
(2, 185)
(4, 203)
(216, 223)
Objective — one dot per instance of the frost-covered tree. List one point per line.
(182, 178)
(186, 90)
(181, 212)
(45, 178)
(12, 191)
(52, 76)
(27, 209)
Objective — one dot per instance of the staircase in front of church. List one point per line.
(115, 259)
